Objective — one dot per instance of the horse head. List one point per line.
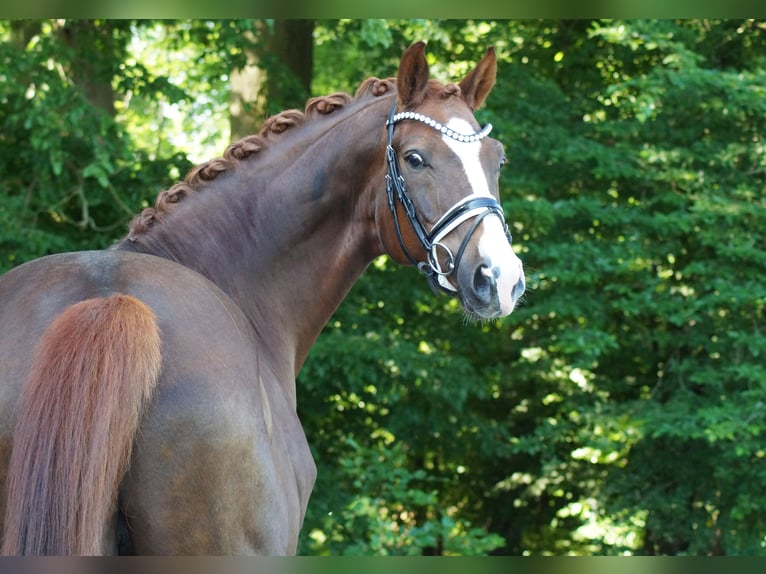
(442, 188)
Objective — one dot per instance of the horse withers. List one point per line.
(147, 391)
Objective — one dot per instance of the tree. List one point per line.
(640, 148)
(70, 180)
(276, 74)
(619, 410)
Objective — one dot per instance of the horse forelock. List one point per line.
(201, 175)
(438, 91)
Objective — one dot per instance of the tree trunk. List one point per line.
(95, 46)
(293, 46)
(247, 106)
(277, 74)
(22, 31)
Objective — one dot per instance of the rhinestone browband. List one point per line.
(484, 132)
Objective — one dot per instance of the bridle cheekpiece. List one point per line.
(474, 206)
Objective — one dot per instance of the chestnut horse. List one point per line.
(147, 391)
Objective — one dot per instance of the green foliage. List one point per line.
(620, 409)
(71, 179)
(649, 187)
(392, 510)
(380, 396)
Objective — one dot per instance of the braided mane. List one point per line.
(275, 126)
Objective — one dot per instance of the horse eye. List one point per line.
(503, 161)
(415, 160)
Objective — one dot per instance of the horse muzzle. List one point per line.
(489, 291)
(489, 277)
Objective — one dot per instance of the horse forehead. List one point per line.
(469, 156)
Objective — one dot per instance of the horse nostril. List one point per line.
(518, 289)
(485, 282)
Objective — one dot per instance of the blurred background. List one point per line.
(620, 410)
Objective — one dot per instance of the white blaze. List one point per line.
(493, 245)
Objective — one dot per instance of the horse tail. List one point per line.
(94, 371)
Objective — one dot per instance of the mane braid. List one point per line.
(248, 146)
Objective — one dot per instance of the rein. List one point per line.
(474, 206)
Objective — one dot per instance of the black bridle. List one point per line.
(475, 207)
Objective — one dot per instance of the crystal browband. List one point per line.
(474, 137)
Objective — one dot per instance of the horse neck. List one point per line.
(286, 234)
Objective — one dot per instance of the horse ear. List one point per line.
(412, 78)
(478, 83)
